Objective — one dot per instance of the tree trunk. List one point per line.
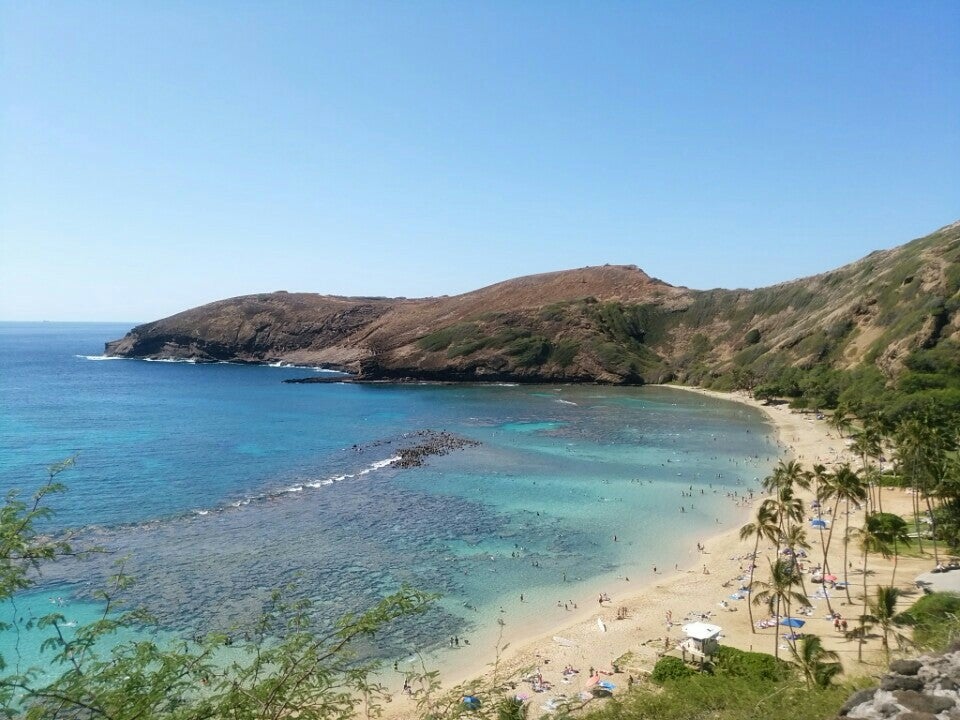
(846, 564)
(896, 558)
(776, 632)
(863, 637)
(753, 565)
(933, 530)
(916, 515)
(826, 549)
(825, 566)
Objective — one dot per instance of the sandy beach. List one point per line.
(645, 620)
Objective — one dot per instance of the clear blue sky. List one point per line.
(157, 155)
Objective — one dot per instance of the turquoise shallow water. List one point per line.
(222, 483)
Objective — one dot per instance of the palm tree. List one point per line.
(820, 480)
(883, 612)
(786, 474)
(846, 486)
(871, 539)
(819, 666)
(796, 539)
(866, 443)
(787, 510)
(779, 592)
(892, 531)
(911, 439)
(876, 426)
(839, 420)
(942, 445)
(924, 452)
(763, 526)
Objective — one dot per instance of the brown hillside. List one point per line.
(612, 323)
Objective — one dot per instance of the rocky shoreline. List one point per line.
(921, 689)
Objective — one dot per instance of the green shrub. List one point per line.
(564, 352)
(756, 666)
(712, 697)
(935, 619)
(529, 351)
(511, 709)
(670, 668)
(443, 338)
(752, 337)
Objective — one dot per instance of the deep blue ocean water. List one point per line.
(222, 483)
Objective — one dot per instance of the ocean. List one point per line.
(219, 483)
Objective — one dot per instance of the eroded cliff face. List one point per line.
(299, 328)
(608, 324)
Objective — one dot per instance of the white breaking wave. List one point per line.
(312, 485)
(565, 402)
(379, 464)
(192, 361)
(291, 366)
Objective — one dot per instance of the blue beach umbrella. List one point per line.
(818, 523)
(471, 702)
(793, 622)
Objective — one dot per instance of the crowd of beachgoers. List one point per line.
(618, 638)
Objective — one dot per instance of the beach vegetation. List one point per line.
(704, 696)
(883, 614)
(670, 668)
(872, 537)
(779, 594)
(763, 527)
(934, 619)
(760, 667)
(818, 665)
(512, 708)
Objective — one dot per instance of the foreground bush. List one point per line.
(670, 668)
(725, 697)
(935, 620)
(751, 665)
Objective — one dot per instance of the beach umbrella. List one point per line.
(830, 577)
(606, 685)
(793, 622)
(471, 702)
(818, 523)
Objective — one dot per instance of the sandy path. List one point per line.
(696, 591)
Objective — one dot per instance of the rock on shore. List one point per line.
(922, 689)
